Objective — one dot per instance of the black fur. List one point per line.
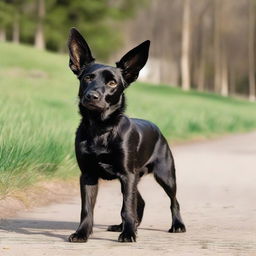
(110, 145)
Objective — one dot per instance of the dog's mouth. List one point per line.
(93, 106)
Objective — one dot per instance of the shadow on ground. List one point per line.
(48, 228)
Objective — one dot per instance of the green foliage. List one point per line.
(38, 115)
(5, 14)
(95, 19)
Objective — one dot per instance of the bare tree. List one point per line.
(224, 60)
(202, 27)
(232, 80)
(2, 35)
(16, 20)
(210, 57)
(224, 75)
(217, 45)
(185, 51)
(251, 50)
(39, 35)
(16, 29)
(202, 62)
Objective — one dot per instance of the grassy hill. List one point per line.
(38, 115)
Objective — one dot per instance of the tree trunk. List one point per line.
(224, 75)
(217, 46)
(201, 73)
(251, 52)
(232, 80)
(2, 35)
(39, 35)
(16, 31)
(185, 51)
(202, 61)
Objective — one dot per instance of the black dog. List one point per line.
(109, 145)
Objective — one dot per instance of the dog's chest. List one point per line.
(95, 146)
(99, 152)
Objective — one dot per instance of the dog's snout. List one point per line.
(92, 96)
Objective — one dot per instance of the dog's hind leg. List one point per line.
(165, 176)
(140, 211)
(115, 228)
(140, 208)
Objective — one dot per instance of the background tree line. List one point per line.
(208, 45)
(45, 23)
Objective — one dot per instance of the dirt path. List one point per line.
(216, 190)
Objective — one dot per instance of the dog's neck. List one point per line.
(97, 123)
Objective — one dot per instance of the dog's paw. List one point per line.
(115, 228)
(127, 237)
(177, 227)
(77, 238)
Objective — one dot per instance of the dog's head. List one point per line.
(102, 86)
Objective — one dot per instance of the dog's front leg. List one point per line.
(89, 189)
(128, 213)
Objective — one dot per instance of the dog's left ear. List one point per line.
(133, 61)
(79, 51)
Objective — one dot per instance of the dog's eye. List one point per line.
(88, 78)
(112, 83)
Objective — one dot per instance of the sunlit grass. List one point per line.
(38, 115)
(187, 115)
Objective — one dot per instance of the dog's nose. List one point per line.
(92, 96)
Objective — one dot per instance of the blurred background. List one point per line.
(203, 44)
(199, 81)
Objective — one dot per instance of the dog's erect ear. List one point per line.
(79, 51)
(133, 61)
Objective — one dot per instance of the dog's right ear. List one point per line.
(79, 51)
(133, 61)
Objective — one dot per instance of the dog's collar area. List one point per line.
(98, 131)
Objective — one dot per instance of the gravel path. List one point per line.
(217, 194)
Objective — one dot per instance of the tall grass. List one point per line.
(38, 115)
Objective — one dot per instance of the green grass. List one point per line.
(38, 115)
(190, 115)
